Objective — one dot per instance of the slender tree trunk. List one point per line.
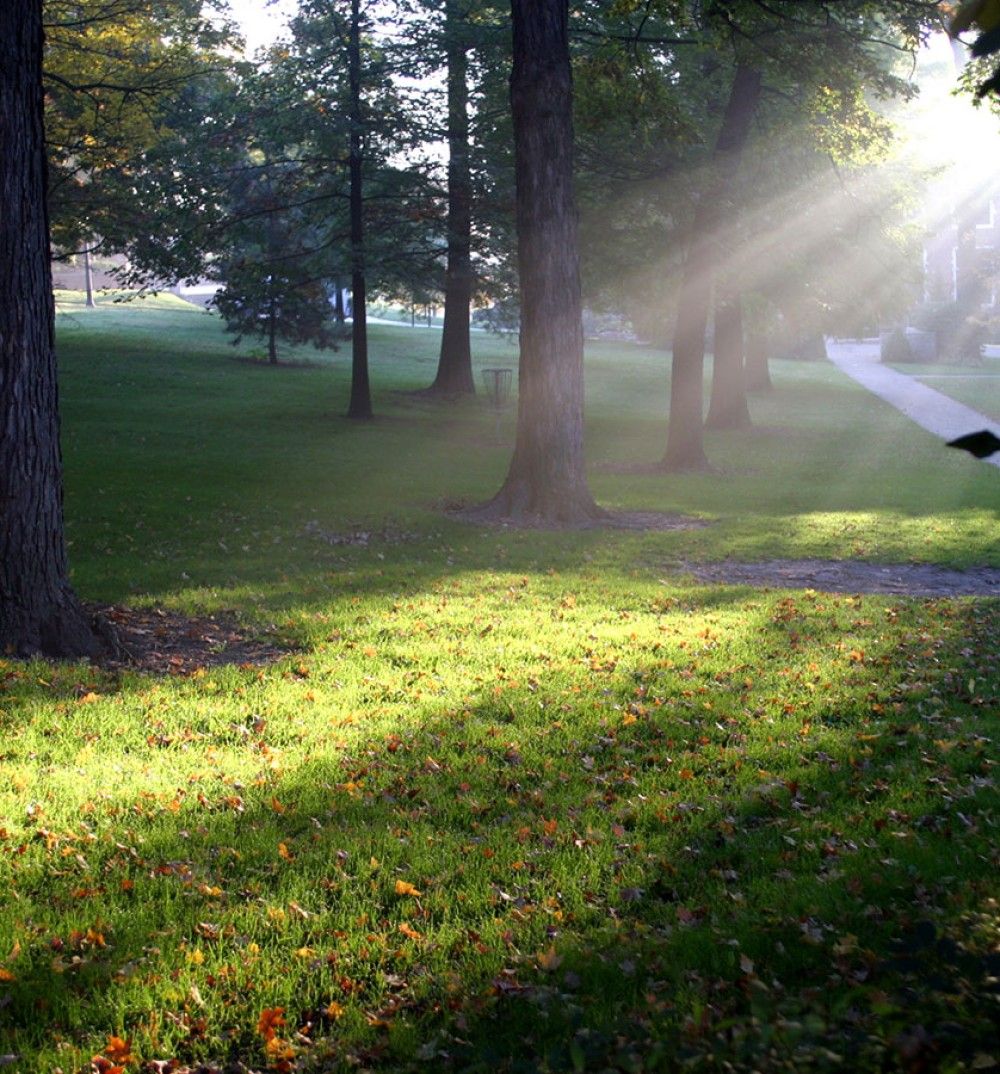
(685, 430)
(272, 332)
(758, 375)
(547, 478)
(454, 372)
(88, 278)
(38, 611)
(360, 405)
(727, 408)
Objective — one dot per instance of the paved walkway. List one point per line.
(930, 409)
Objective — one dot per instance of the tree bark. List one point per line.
(39, 612)
(547, 480)
(685, 429)
(88, 279)
(360, 405)
(758, 375)
(454, 372)
(272, 332)
(727, 408)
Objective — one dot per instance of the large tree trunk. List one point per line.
(727, 408)
(38, 611)
(547, 479)
(685, 429)
(360, 405)
(454, 373)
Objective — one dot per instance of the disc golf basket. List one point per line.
(497, 384)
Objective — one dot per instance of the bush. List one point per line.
(960, 334)
(895, 347)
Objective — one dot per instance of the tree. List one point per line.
(685, 441)
(454, 372)
(273, 288)
(343, 71)
(546, 480)
(39, 613)
(114, 70)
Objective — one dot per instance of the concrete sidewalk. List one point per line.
(928, 408)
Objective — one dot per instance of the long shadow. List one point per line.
(682, 854)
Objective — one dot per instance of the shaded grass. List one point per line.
(525, 801)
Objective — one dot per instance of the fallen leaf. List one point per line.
(270, 1021)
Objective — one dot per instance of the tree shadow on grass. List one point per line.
(565, 887)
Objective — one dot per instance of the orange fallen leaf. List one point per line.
(6, 975)
(285, 853)
(334, 1009)
(119, 1050)
(270, 1021)
(404, 887)
(409, 932)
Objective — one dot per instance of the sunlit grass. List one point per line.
(519, 800)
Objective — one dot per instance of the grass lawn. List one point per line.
(518, 801)
(978, 387)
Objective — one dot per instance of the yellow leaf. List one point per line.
(305, 952)
(334, 1010)
(285, 852)
(404, 887)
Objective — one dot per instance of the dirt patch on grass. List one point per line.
(637, 521)
(152, 639)
(852, 576)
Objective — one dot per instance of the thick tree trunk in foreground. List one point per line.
(728, 408)
(38, 610)
(360, 405)
(685, 429)
(547, 479)
(454, 372)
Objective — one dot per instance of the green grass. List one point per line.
(651, 823)
(978, 387)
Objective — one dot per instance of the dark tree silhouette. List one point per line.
(39, 612)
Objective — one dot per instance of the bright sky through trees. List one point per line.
(261, 20)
